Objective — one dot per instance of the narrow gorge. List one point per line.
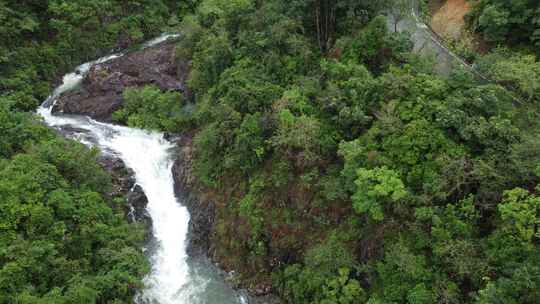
(175, 277)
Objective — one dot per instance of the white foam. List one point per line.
(171, 281)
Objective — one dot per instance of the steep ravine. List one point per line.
(181, 273)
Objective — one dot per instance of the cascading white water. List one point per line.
(173, 278)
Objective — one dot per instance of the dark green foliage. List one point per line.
(345, 167)
(375, 47)
(249, 144)
(60, 240)
(347, 97)
(519, 73)
(344, 170)
(375, 189)
(514, 251)
(326, 276)
(41, 39)
(150, 108)
(516, 22)
(18, 130)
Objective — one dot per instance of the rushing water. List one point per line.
(174, 278)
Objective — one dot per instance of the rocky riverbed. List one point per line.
(100, 94)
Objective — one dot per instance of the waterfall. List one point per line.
(174, 277)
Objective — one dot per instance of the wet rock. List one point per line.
(123, 178)
(101, 91)
(183, 176)
(173, 138)
(70, 130)
(123, 181)
(75, 133)
(201, 209)
(262, 290)
(137, 203)
(183, 70)
(201, 225)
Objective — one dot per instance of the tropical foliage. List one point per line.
(344, 169)
(351, 172)
(62, 239)
(515, 22)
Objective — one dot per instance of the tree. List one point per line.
(65, 34)
(513, 251)
(519, 73)
(330, 18)
(57, 228)
(520, 213)
(494, 23)
(150, 108)
(298, 138)
(513, 22)
(347, 96)
(404, 276)
(326, 276)
(249, 147)
(376, 47)
(376, 189)
(325, 23)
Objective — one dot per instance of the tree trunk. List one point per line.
(325, 23)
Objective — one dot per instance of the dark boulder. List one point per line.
(137, 203)
(123, 178)
(123, 181)
(79, 134)
(101, 91)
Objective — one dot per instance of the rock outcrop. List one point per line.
(123, 181)
(122, 177)
(101, 91)
(200, 208)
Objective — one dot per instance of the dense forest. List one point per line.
(62, 238)
(344, 168)
(511, 22)
(61, 241)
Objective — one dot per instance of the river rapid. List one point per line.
(175, 278)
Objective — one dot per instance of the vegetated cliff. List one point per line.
(208, 214)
